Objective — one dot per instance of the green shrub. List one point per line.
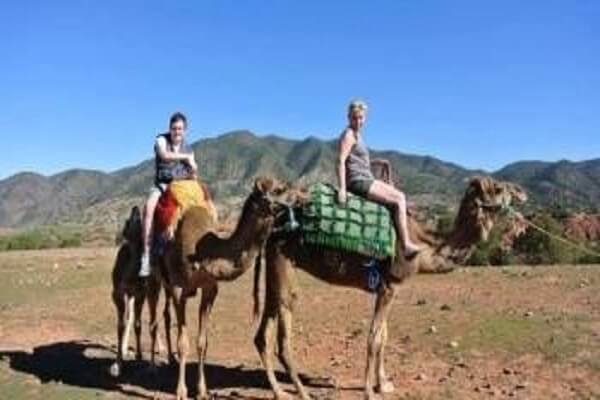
(43, 238)
(536, 247)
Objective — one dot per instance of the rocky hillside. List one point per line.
(230, 162)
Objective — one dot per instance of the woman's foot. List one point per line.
(411, 250)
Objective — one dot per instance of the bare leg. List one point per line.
(381, 192)
(376, 336)
(149, 209)
(208, 297)
(284, 334)
(115, 369)
(182, 342)
(264, 335)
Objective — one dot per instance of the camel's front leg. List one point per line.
(263, 339)
(182, 342)
(167, 318)
(284, 336)
(284, 333)
(208, 298)
(119, 301)
(384, 385)
(138, 305)
(129, 314)
(385, 295)
(153, 293)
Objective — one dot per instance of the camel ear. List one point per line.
(515, 191)
(474, 185)
(263, 184)
(135, 213)
(482, 183)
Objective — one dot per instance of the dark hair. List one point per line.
(178, 117)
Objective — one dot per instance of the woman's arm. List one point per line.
(347, 140)
(386, 170)
(380, 161)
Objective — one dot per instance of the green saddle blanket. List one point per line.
(359, 226)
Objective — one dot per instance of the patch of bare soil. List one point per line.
(522, 333)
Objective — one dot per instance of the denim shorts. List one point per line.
(360, 187)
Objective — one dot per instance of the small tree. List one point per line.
(537, 247)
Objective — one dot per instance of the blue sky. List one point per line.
(479, 83)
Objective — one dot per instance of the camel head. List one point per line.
(269, 197)
(132, 230)
(484, 200)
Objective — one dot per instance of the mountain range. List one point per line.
(229, 163)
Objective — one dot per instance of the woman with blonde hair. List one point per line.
(355, 176)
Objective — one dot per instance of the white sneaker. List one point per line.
(145, 266)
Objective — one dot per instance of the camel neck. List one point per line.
(244, 235)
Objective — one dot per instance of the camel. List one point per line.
(284, 252)
(129, 292)
(198, 259)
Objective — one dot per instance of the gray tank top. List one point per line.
(358, 163)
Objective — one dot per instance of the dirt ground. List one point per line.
(478, 333)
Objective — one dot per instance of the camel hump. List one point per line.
(179, 197)
(360, 226)
(197, 219)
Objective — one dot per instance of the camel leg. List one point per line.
(384, 385)
(138, 305)
(208, 298)
(129, 315)
(264, 344)
(153, 293)
(182, 342)
(376, 336)
(167, 318)
(263, 340)
(284, 336)
(119, 301)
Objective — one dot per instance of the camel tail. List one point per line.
(256, 288)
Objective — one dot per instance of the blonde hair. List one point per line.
(357, 105)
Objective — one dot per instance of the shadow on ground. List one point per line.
(85, 364)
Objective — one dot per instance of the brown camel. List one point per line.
(129, 292)
(198, 258)
(478, 211)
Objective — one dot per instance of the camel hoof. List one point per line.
(115, 370)
(138, 357)
(282, 396)
(385, 387)
(181, 393)
(370, 396)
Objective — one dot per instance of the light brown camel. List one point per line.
(198, 258)
(129, 292)
(285, 252)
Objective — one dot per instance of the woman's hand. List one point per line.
(342, 196)
(191, 162)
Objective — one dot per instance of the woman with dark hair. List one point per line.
(173, 160)
(355, 176)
